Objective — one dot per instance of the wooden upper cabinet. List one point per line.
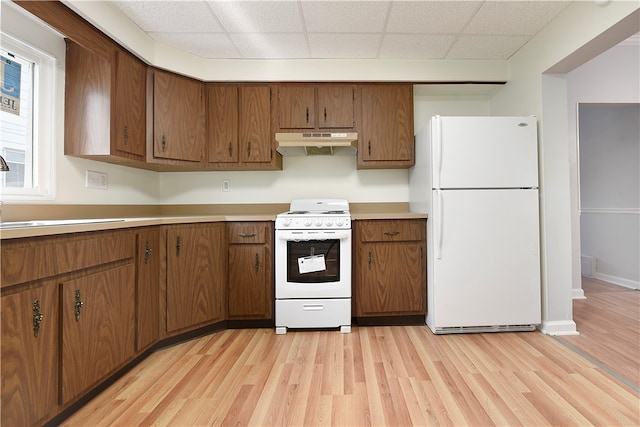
(105, 105)
(178, 119)
(222, 123)
(386, 132)
(239, 127)
(316, 106)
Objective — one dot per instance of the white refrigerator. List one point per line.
(477, 179)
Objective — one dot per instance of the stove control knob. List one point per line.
(339, 222)
(329, 222)
(286, 222)
(318, 222)
(307, 222)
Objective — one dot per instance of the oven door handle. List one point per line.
(311, 235)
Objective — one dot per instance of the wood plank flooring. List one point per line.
(375, 376)
(608, 321)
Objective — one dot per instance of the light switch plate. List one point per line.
(97, 180)
(226, 185)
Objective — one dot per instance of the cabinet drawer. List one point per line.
(390, 230)
(247, 232)
(37, 258)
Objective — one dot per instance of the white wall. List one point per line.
(611, 77)
(582, 31)
(609, 139)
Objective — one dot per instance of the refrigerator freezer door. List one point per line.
(484, 152)
(487, 271)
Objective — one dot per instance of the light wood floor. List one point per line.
(374, 376)
(608, 321)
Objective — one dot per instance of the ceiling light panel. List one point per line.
(430, 17)
(258, 16)
(345, 16)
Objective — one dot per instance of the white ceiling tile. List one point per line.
(171, 16)
(430, 17)
(357, 46)
(271, 45)
(514, 17)
(258, 16)
(486, 47)
(415, 46)
(345, 16)
(212, 45)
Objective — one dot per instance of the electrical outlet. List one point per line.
(226, 185)
(97, 180)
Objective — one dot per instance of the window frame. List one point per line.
(43, 123)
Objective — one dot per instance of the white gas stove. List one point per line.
(313, 265)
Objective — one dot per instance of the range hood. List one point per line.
(317, 143)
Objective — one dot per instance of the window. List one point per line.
(27, 80)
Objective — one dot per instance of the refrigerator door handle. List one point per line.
(436, 132)
(437, 226)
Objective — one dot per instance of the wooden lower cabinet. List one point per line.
(98, 328)
(250, 284)
(390, 265)
(196, 272)
(147, 290)
(29, 355)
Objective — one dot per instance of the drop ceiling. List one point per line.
(305, 29)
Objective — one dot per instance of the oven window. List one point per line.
(324, 251)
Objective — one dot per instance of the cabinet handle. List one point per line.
(247, 234)
(307, 114)
(325, 114)
(248, 148)
(230, 149)
(391, 233)
(369, 260)
(147, 252)
(126, 135)
(257, 266)
(37, 317)
(178, 246)
(164, 143)
(78, 305)
(369, 147)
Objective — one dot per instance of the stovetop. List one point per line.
(315, 214)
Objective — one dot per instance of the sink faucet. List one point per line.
(4, 167)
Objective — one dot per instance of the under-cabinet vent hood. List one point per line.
(317, 143)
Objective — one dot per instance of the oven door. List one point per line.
(313, 264)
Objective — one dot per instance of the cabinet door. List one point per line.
(98, 328)
(178, 125)
(147, 302)
(129, 104)
(222, 124)
(391, 279)
(386, 136)
(196, 273)
(336, 106)
(29, 359)
(255, 124)
(249, 296)
(296, 107)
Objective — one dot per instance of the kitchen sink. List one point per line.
(52, 223)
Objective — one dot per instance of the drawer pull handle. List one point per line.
(79, 304)
(369, 260)
(178, 246)
(391, 233)
(247, 234)
(147, 252)
(126, 135)
(37, 317)
(313, 307)
(257, 266)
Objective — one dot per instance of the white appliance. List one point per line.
(477, 178)
(313, 265)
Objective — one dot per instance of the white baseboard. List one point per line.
(631, 284)
(577, 293)
(559, 327)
